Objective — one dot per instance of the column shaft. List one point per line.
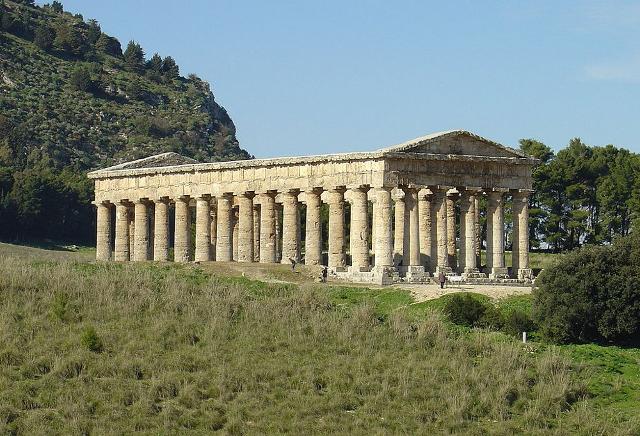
(103, 232)
(495, 222)
(213, 230)
(256, 232)
(182, 233)
(399, 247)
(467, 233)
(336, 229)
(141, 250)
(313, 230)
(384, 228)
(268, 223)
(203, 230)
(424, 211)
(520, 252)
(161, 231)
(224, 242)
(414, 226)
(440, 207)
(245, 227)
(359, 236)
(290, 227)
(122, 233)
(451, 231)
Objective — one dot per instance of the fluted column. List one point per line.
(336, 228)
(122, 232)
(141, 239)
(245, 227)
(182, 233)
(520, 252)
(424, 210)
(161, 230)
(224, 242)
(256, 231)
(478, 230)
(384, 228)
(203, 229)
(268, 223)
(103, 231)
(290, 227)
(399, 247)
(234, 238)
(132, 231)
(451, 230)
(313, 230)
(213, 228)
(495, 234)
(467, 232)
(440, 209)
(411, 203)
(359, 236)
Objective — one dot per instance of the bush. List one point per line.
(90, 340)
(516, 321)
(466, 310)
(592, 295)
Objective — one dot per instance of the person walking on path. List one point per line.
(324, 274)
(442, 279)
(293, 263)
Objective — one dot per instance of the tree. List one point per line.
(80, 79)
(93, 32)
(109, 45)
(134, 57)
(69, 40)
(57, 7)
(170, 68)
(44, 37)
(134, 89)
(155, 63)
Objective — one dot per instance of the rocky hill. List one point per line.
(72, 99)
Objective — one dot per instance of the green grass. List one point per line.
(147, 348)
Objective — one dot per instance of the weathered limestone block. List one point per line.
(359, 236)
(224, 243)
(122, 232)
(290, 227)
(336, 229)
(245, 227)
(103, 235)
(141, 250)
(182, 235)
(268, 221)
(384, 228)
(161, 231)
(313, 230)
(203, 229)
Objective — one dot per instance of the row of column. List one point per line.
(419, 233)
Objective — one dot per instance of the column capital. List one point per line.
(125, 202)
(206, 197)
(246, 194)
(360, 188)
(164, 199)
(101, 203)
(314, 190)
(341, 189)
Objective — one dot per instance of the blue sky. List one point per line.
(309, 77)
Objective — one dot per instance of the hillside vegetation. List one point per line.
(72, 99)
(120, 348)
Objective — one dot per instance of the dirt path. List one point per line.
(431, 291)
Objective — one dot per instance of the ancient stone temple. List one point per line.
(400, 213)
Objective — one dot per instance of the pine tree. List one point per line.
(134, 57)
(169, 68)
(93, 32)
(44, 37)
(109, 45)
(80, 79)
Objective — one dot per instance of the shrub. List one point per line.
(90, 340)
(465, 310)
(517, 321)
(592, 295)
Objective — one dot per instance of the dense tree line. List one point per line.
(583, 194)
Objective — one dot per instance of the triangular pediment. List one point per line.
(455, 142)
(158, 160)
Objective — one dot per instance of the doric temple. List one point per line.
(399, 213)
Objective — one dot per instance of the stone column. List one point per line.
(234, 239)
(520, 252)
(313, 230)
(256, 232)
(440, 209)
(161, 230)
(424, 211)
(399, 253)
(384, 229)
(495, 234)
(278, 213)
(478, 230)
(121, 253)
(411, 203)
(245, 227)
(268, 241)
(141, 238)
(103, 231)
(182, 233)
(203, 229)
(224, 242)
(336, 229)
(467, 232)
(290, 227)
(359, 236)
(132, 231)
(451, 230)
(213, 230)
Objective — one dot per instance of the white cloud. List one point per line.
(625, 70)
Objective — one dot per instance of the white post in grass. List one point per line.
(524, 337)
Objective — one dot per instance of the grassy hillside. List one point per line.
(71, 100)
(118, 348)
